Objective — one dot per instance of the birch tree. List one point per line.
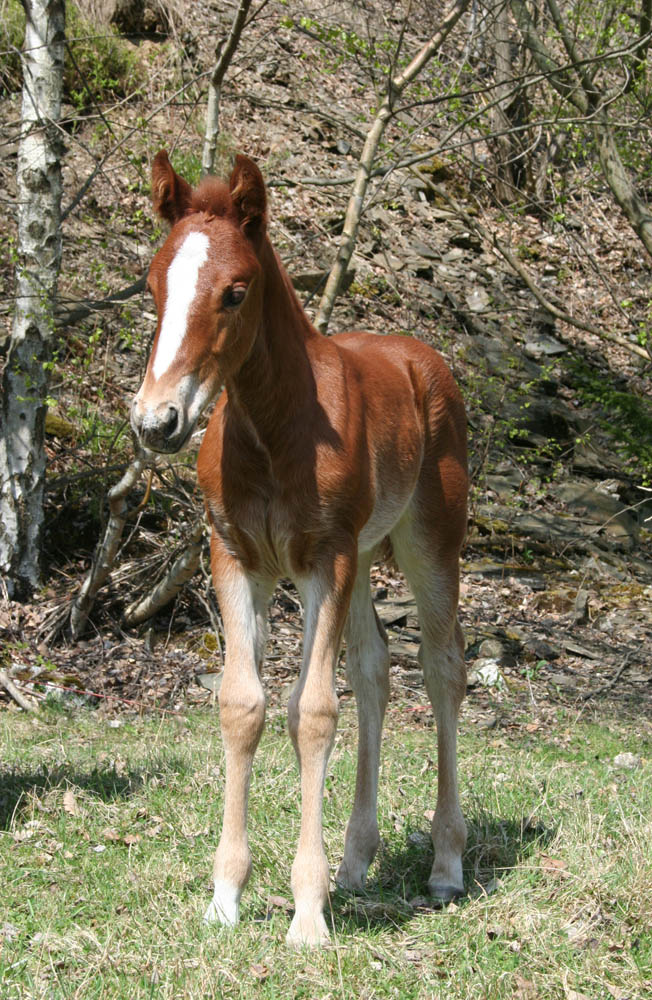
(26, 373)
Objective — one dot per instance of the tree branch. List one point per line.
(180, 572)
(107, 549)
(68, 316)
(223, 55)
(587, 100)
(356, 201)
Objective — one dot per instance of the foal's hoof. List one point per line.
(308, 931)
(351, 877)
(223, 908)
(443, 892)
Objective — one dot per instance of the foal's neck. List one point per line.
(274, 389)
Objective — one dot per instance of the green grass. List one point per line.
(558, 865)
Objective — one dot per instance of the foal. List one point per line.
(318, 450)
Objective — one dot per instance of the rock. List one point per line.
(435, 169)
(419, 839)
(133, 17)
(466, 241)
(505, 486)
(486, 673)
(492, 649)
(580, 614)
(544, 346)
(210, 680)
(539, 649)
(424, 251)
(562, 681)
(600, 506)
(396, 612)
(627, 761)
(478, 299)
(313, 281)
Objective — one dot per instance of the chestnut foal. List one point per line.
(318, 450)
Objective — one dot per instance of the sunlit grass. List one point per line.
(102, 889)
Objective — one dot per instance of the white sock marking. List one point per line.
(224, 907)
(182, 277)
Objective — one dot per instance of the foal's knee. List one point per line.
(312, 719)
(242, 716)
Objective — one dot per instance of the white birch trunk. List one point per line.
(26, 376)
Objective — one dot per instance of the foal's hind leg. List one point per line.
(367, 667)
(435, 582)
(442, 657)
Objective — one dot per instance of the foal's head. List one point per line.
(207, 285)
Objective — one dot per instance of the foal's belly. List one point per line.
(393, 496)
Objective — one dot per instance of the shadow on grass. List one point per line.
(108, 782)
(397, 888)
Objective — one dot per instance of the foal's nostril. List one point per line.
(171, 421)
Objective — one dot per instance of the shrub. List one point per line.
(99, 65)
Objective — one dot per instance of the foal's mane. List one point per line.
(212, 197)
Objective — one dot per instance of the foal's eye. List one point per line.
(234, 296)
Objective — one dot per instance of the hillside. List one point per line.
(558, 566)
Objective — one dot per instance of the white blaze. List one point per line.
(182, 276)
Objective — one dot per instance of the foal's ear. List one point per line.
(248, 195)
(170, 193)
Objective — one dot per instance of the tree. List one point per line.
(396, 84)
(26, 373)
(223, 54)
(574, 75)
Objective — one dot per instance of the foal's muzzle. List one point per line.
(160, 428)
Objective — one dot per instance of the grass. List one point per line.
(108, 833)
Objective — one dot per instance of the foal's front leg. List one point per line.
(312, 718)
(243, 603)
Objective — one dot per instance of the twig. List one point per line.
(17, 695)
(610, 683)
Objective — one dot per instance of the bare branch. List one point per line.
(223, 55)
(527, 278)
(592, 104)
(387, 109)
(68, 316)
(11, 689)
(107, 549)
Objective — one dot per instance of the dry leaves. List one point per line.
(70, 805)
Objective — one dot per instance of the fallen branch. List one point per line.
(561, 314)
(610, 683)
(68, 316)
(106, 551)
(11, 689)
(180, 572)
